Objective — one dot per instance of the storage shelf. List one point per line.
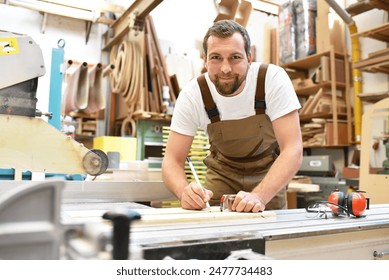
(364, 6)
(373, 97)
(380, 33)
(337, 88)
(304, 92)
(378, 64)
(309, 62)
(378, 61)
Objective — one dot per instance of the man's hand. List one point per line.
(193, 197)
(248, 202)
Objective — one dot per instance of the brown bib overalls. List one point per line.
(242, 151)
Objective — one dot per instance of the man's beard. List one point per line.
(227, 89)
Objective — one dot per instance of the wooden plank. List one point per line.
(366, 5)
(309, 107)
(372, 62)
(311, 61)
(334, 97)
(166, 216)
(358, 8)
(378, 53)
(379, 33)
(373, 97)
(169, 216)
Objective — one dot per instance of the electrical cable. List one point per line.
(314, 205)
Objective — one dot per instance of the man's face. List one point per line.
(227, 63)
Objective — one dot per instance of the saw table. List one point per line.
(281, 234)
(75, 224)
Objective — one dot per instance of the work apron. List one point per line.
(241, 151)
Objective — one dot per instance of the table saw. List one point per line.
(75, 228)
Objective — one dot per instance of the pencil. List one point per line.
(197, 179)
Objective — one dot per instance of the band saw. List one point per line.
(27, 142)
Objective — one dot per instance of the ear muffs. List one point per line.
(355, 203)
(337, 198)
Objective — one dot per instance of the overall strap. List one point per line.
(210, 106)
(260, 104)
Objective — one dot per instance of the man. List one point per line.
(252, 124)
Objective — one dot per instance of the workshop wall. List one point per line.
(180, 26)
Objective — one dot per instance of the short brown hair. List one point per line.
(224, 29)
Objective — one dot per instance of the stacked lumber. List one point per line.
(313, 133)
(321, 103)
(198, 152)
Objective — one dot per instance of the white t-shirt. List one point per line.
(189, 112)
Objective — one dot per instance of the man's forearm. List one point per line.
(174, 178)
(279, 175)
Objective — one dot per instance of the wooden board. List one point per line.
(379, 33)
(373, 96)
(160, 216)
(178, 215)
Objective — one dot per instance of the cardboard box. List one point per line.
(349, 172)
(342, 133)
(126, 146)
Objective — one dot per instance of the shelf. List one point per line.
(378, 64)
(335, 86)
(309, 62)
(304, 92)
(380, 33)
(364, 6)
(373, 97)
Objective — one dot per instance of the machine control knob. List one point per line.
(121, 231)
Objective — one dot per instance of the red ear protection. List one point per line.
(355, 203)
(336, 197)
